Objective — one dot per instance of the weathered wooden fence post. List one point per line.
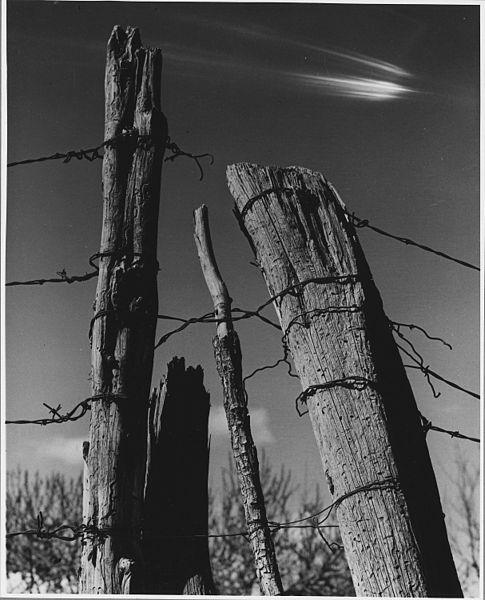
(361, 405)
(175, 543)
(123, 327)
(229, 366)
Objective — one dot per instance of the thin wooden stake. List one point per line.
(228, 360)
(360, 403)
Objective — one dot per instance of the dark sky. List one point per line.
(383, 99)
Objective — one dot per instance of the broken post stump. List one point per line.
(175, 543)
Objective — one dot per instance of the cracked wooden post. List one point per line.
(361, 405)
(123, 326)
(228, 360)
(176, 546)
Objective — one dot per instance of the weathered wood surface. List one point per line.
(123, 330)
(176, 489)
(367, 429)
(229, 366)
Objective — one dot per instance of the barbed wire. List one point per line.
(411, 326)
(428, 425)
(356, 222)
(354, 382)
(78, 531)
(92, 154)
(316, 520)
(63, 278)
(242, 314)
(351, 382)
(237, 314)
(360, 223)
(420, 365)
(177, 152)
(74, 414)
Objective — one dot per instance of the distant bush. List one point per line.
(307, 565)
(35, 565)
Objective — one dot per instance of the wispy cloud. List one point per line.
(267, 35)
(350, 86)
(344, 73)
(259, 425)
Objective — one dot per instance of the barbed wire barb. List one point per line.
(396, 326)
(428, 426)
(63, 278)
(177, 152)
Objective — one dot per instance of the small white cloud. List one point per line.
(67, 450)
(259, 424)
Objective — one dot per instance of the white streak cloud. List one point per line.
(356, 87)
(340, 84)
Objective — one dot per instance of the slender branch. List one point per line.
(229, 366)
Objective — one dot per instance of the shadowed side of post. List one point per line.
(175, 528)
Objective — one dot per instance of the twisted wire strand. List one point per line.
(351, 382)
(178, 152)
(411, 326)
(238, 314)
(79, 531)
(358, 223)
(92, 154)
(63, 278)
(428, 426)
(418, 361)
(246, 314)
(81, 409)
(361, 223)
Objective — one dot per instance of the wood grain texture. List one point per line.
(228, 358)
(394, 535)
(126, 304)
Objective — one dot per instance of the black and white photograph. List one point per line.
(241, 333)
